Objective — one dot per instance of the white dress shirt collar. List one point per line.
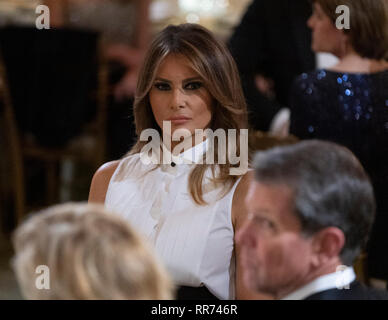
(161, 155)
(340, 280)
(189, 156)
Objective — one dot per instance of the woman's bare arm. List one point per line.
(100, 182)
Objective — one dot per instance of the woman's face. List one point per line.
(325, 36)
(178, 95)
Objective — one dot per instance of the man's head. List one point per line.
(311, 207)
(90, 253)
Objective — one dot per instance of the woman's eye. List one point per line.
(162, 86)
(193, 85)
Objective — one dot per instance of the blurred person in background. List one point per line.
(348, 103)
(124, 25)
(271, 46)
(90, 254)
(125, 28)
(311, 207)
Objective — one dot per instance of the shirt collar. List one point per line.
(193, 155)
(336, 280)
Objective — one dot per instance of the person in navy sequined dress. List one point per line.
(348, 104)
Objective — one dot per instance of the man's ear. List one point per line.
(327, 244)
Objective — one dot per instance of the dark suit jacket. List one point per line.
(356, 291)
(272, 39)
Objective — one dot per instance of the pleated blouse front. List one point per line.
(194, 242)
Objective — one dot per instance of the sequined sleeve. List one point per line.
(304, 105)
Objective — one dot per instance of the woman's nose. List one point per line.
(178, 99)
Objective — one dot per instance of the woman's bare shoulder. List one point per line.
(108, 168)
(100, 181)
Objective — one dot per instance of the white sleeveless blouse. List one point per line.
(194, 242)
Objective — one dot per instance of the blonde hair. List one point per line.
(215, 65)
(90, 253)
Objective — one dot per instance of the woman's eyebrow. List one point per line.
(191, 79)
(161, 79)
(185, 80)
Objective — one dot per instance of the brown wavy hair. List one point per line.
(215, 65)
(368, 33)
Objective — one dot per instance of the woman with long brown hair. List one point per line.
(187, 206)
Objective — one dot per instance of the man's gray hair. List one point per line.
(330, 188)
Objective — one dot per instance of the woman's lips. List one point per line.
(179, 120)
